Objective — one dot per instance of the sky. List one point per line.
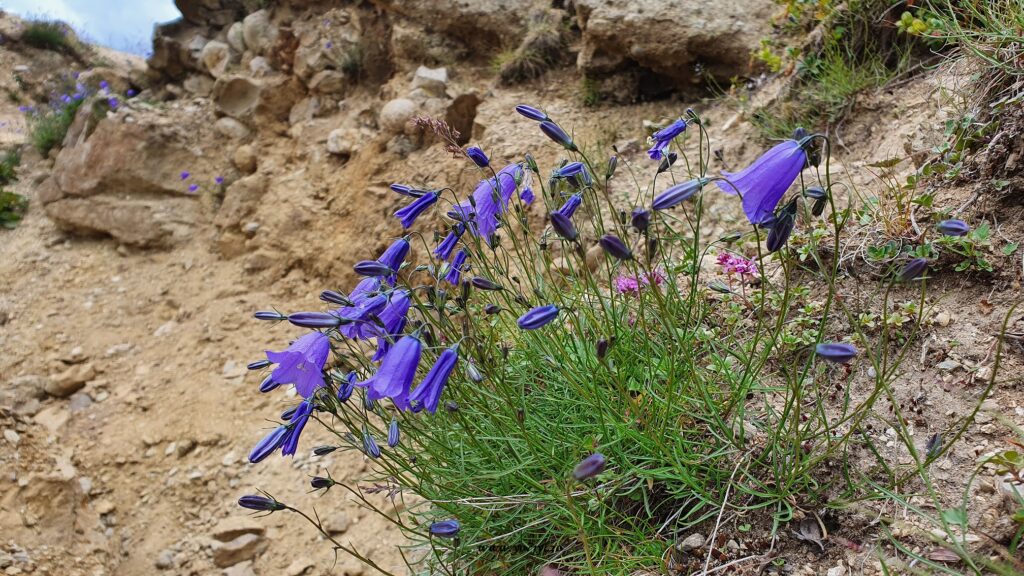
(126, 25)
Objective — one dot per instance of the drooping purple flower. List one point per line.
(269, 444)
(302, 364)
(531, 112)
(489, 202)
(953, 227)
(765, 181)
(104, 85)
(839, 352)
(914, 270)
(455, 270)
(782, 227)
(373, 268)
(393, 257)
(563, 226)
(394, 433)
(185, 175)
(295, 425)
(131, 93)
(640, 219)
(678, 194)
(555, 132)
(527, 195)
(384, 341)
(478, 157)
(616, 247)
(447, 246)
(260, 503)
(386, 322)
(396, 372)
(219, 180)
(362, 305)
(538, 317)
(486, 284)
(445, 528)
(408, 190)
(589, 467)
(346, 387)
(570, 169)
(663, 137)
(370, 445)
(410, 213)
(193, 188)
(113, 102)
(570, 206)
(427, 395)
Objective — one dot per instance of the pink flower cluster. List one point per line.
(733, 264)
(632, 284)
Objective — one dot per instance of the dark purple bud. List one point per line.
(314, 320)
(640, 219)
(614, 246)
(782, 228)
(839, 352)
(562, 225)
(394, 434)
(679, 193)
(345, 390)
(370, 445)
(667, 161)
(321, 483)
(553, 131)
(335, 298)
(538, 317)
(372, 268)
(477, 156)
(613, 163)
(590, 466)
(268, 384)
(492, 309)
(953, 227)
(258, 365)
(260, 503)
(914, 270)
(268, 444)
(474, 373)
(323, 450)
(531, 113)
(271, 316)
(445, 528)
(570, 169)
(408, 190)
(602, 348)
(288, 413)
(451, 406)
(485, 284)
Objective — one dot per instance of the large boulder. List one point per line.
(121, 176)
(673, 40)
(214, 12)
(245, 98)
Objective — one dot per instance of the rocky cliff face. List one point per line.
(258, 99)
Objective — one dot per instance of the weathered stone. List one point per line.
(328, 82)
(258, 32)
(337, 523)
(70, 380)
(691, 542)
(236, 37)
(396, 114)
(215, 58)
(242, 97)
(240, 200)
(483, 25)
(234, 526)
(304, 110)
(339, 142)
(244, 159)
(240, 549)
(198, 84)
(231, 128)
(432, 80)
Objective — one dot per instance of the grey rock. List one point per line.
(691, 542)
(432, 80)
(396, 114)
(240, 549)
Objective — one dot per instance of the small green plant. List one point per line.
(9, 162)
(12, 207)
(589, 91)
(47, 128)
(47, 35)
(542, 48)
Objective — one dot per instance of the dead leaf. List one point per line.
(942, 555)
(809, 530)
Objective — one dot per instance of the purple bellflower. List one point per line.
(538, 317)
(489, 202)
(678, 194)
(295, 425)
(445, 528)
(953, 227)
(762, 184)
(914, 270)
(570, 206)
(269, 444)
(447, 246)
(562, 225)
(531, 113)
(314, 320)
(840, 352)
(393, 257)
(260, 503)
(555, 132)
(616, 247)
(527, 195)
(663, 137)
(589, 467)
(455, 271)
(396, 372)
(478, 157)
(302, 364)
(428, 394)
(410, 213)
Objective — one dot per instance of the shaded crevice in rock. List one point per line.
(462, 114)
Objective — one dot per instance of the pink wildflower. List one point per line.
(632, 284)
(733, 264)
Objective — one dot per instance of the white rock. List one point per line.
(432, 80)
(396, 114)
(339, 143)
(231, 128)
(215, 58)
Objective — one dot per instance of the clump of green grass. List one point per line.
(542, 48)
(47, 128)
(12, 208)
(9, 162)
(47, 35)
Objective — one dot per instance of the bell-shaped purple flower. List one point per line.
(663, 137)
(782, 227)
(410, 213)
(396, 372)
(614, 246)
(839, 352)
(260, 503)
(477, 156)
(589, 467)
(295, 425)
(302, 364)
(531, 113)
(346, 387)
(914, 270)
(563, 226)
(315, 320)
(455, 270)
(571, 204)
(427, 395)
(447, 246)
(269, 444)
(953, 227)
(555, 132)
(490, 200)
(445, 528)
(763, 183)
(373, 268)
(538, 317)
(527, 195)
(570, 169)
(640, 219)
(378, 321)
(393, 257)
(678, 194)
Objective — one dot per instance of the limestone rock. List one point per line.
(70, 380)
(244, 159)
(198, 84)
(671, 38)
(215, 58)
(328, 82)
(259, 33)
(242, 97)
(241, 200)
(339, 142)
(234, 526)
(396, 114)
(433, 80)
(236, 37)
(231, 128)
(482, 25)
(240, 549)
